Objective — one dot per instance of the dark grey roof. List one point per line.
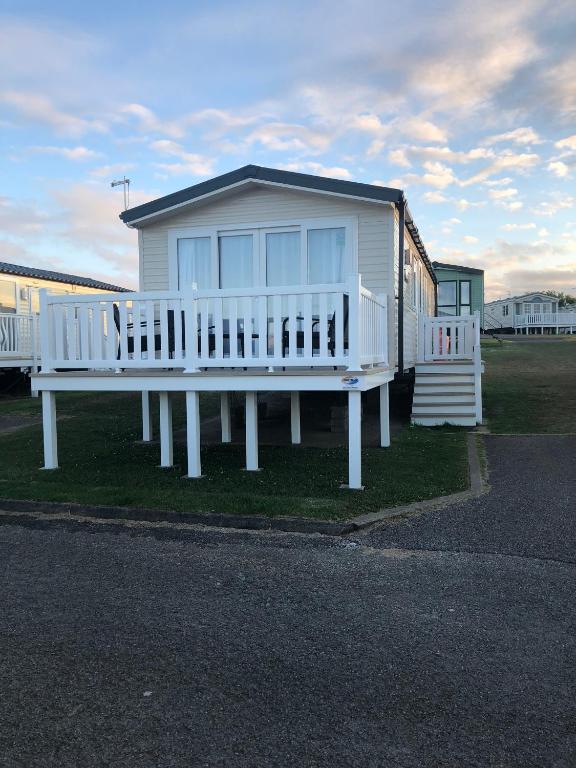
(472, 270)
(258, 172)
(57, 277)
(273, 175)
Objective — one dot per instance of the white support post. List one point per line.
(166, 438)
(355, 440)
(45, 327)
(225, 417)
(193, 434)
(354, 323)
(252, 431)
(477, 369)
(49, 427)
(295, 418)
(384, 416)
(146, 418)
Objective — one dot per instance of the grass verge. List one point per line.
(102, 463)
(530, 387)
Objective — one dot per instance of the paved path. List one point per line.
(159, 648)
(530, 511)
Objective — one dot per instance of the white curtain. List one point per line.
(283, 258)
(194, 262)
(236, 261)
(326, 255)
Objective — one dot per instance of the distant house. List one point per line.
(530, 313)
(20, 305)
(460, 290)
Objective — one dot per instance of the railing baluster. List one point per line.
(277, 326)
(307, 315)
(233, 327)
(150, 335)
(323, 325)
(293, 327)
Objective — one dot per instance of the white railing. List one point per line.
(18, 336)
(448, 338)
(546, 319)
(294, 326)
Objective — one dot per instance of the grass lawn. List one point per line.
(101, 463)
(530, 387)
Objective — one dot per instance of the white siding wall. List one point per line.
(267, 204)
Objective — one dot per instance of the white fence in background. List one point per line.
(562, 319)
(18, 337)
(294, 326)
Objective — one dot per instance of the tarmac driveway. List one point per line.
(444, 641)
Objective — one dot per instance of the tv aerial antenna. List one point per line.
(125, 183)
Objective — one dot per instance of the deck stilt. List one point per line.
(252, 431)
(225, 417)
(49, 428)
(355, 440)
(166, 439)
(295, 418)
(193, 433)
(384, 416)
(146, 418)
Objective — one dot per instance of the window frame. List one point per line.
(460, 302)
(259, 231)
(456, 292)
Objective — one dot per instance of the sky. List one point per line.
(470, 107)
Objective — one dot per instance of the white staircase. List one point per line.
(445, 393)
(448, 388)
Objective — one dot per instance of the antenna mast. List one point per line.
(125, 183)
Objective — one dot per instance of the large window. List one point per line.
(295, 253)
(236, 261)
(283, 258)
(194, 262)
(447, 298)
(326, 255)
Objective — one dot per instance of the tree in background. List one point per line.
(564, 299)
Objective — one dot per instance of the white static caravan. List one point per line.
(530, 313)
(259, 280)
(20, 288)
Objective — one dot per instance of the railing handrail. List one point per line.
(208, 293)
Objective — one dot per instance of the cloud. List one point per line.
(190, 163)
(502, 194)
(568, 143)
(434, 197)
(559, 169)
(517, 136)
(36, 108)
(513, 227)
(335, 172)
(470, 239)
(70, 153)
(115, 169)
(555, 204)
(507, 161)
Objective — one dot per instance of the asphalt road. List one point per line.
(444, 641)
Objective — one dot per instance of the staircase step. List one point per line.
(443, 408)
(437, 398)
(446, 378)
(452, 367)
